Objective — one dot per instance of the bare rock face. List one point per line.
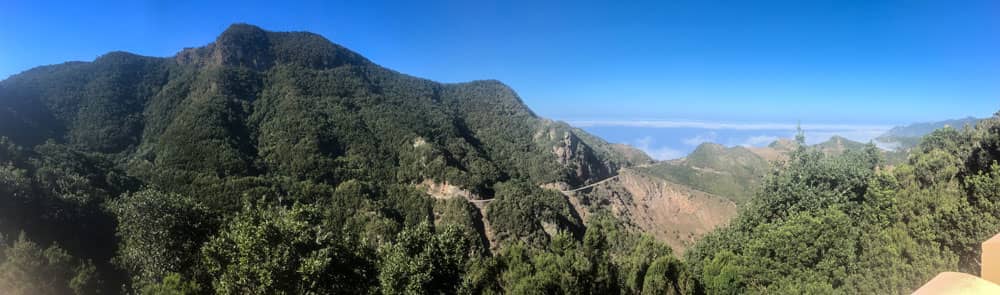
(674, 214)
(444, 191)
(240, 45)
(573, 153)
(250, 47)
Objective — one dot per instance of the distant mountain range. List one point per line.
(905, 137)
(678, 201)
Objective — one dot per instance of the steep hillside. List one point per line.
(673, 213)
(677, 201)
(732, 173)
(256, 102)
(776, 150)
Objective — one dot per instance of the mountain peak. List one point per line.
(785, 144)
(244, 45)
(237, 29)
(710, 146)
(249, 46)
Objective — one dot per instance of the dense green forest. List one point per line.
(281, 163)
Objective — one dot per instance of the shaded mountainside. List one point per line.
(256, 103)
(297, 107)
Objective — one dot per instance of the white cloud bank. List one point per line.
(727, 125)
(759, 140)
(659, 153)
(700, 138)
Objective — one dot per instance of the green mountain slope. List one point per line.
(294, 104)
(732, 172)
(838, 145)
(269, 162)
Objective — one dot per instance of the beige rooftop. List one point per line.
(960, 283)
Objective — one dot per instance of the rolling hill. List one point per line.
(730, 172)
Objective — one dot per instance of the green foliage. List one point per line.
(275, 250)
(844, 224)
(160, 234)
(423, 262)
(734, 173)
(667, 275)
(25, 268)
(607, 261)
(172, 284)
(54, 193)
(520, 209)
(283, 163)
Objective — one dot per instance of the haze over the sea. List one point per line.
(669, 139)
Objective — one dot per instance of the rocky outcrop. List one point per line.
(580, 157)
(250, 47)
(444, 190)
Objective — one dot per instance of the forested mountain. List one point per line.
(282, 163)
(732, 172)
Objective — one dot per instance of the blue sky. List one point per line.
(821, 62)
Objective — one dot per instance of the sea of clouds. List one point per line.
(671, 139)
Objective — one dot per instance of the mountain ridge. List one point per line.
(241, 46)
(274, 108)
(909, 136)
(147, 166)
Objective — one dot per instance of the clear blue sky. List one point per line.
(825, 61)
